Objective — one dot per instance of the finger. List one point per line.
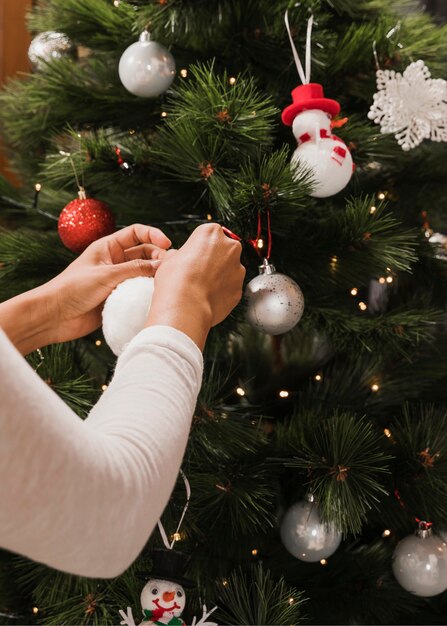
(144, 251)
(139, 233)
(132, 269)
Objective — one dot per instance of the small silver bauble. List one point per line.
(47, 46)
(146, 68)
(305, 536)
(275, 303)
(420, 563)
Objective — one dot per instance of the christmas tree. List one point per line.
(318, 443)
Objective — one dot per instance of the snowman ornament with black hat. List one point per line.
(163, 597)
(311, 117)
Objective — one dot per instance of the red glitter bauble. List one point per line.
(83, 221)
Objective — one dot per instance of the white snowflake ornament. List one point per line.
(411, 105)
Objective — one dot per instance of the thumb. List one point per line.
(134, 268)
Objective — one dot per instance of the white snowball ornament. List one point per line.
(146, 68)
(47, 46)
(275, 302)
(411, 105)
(420, 563)
(305, 536)
(125, 311)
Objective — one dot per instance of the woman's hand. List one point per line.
(70, 305)
(79, 292)
(197, 286)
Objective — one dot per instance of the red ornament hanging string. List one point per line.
(423, 525)
(118, 154)
(255, 242)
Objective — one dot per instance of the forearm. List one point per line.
(81, 487)
(26, 319)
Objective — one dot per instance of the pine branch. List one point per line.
(343, 457)
(93, 23)
(395, 331)
(420, 446)
(28, 259)
(256, 598)
(264, 184)
(88, 94)
(57, 367)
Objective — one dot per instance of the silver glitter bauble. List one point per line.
(146, 68)
(420, 564)
(275, 303)
(47, 46)
(305, 536)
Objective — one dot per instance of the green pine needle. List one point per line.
(344, 459)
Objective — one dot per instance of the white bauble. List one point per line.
(146, 68)
(305, 536)
(420, 564)
(47, 46)
(125, 311)
(275, 302)
(163, 594)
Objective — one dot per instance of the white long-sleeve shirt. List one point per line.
(84, 496)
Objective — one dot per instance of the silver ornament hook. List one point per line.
(145, 35)
(161, 528)
(267, 267)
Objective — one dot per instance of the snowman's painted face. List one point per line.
(307, 122)
(163, 595)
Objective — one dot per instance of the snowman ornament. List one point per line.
(163, 597)
(325, 154)
(310, 115)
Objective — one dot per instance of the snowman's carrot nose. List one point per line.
(168, 596)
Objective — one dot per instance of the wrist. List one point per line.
(190, 313)
(27, 320)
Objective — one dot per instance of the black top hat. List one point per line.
(168, 565)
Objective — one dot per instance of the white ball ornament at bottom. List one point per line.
(125, 311)
(420, 564)
(275, 302)
(305, 536)
(146, 68)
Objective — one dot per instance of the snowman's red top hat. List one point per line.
(305, 97)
